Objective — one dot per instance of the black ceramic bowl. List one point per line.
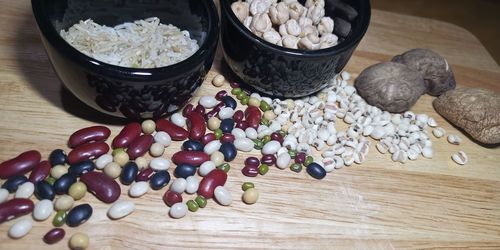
(284, 72)
(129, 92)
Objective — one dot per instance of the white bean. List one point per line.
(121, 209)
(438, 132)
(178, 119)
(208, 101)
(159, 163)
(178, 210)
(454, 139)
(25, 190)
(4, 195)
(163, 138)
(271, 148)
(223, 196)
(206, 168)
(238, 133)
(427, 152)
(103, 160)
(20, 228)
(251, 133)
(244, 144)
(283, 160)
(43, 209)
(192, 184)
(226, 113)
(179, 185)
(211, 147)
(138, 189)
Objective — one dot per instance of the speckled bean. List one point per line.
(196, 125)
(170, 198)
(25, 190)
(43, 209)
(102, 186)
(20, 228)
(175, 132)
(194, 158)
(40, 172)
(20, 164)
(87, 151)
(138, 189)
(14, 208)
(140, 146)
(212, 180)
(121, 209)
(53, 236)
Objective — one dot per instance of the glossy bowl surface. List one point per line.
(290, 73)
(129, 92)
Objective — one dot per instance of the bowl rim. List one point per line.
(356, 34)
(49, 33)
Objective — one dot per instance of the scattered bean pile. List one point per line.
(286, 132)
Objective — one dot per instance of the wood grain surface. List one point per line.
(377, 205)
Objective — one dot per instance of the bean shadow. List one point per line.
(38, 72)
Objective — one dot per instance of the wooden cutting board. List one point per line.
(379, 204)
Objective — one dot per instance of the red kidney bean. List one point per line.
(145, 174)
(53, 236)
(215, 178)
(128, 134)
(140, 146)
(14, 208)
(253, 116)
(252, 162)
(193, 158)
(300, 158)
(277, 137)
(87, 151)
(171, 197)
(40, 172)
(227, 138)
(199, 109)
(105, 188)
(219, 106)
(220, 94)
(196, 125)
(268, 159)
(187, 109)
(89, 134)
(250, 171)
(238, 116)
(208, 138)
(176, 133)
(241, 124)
(19, 165)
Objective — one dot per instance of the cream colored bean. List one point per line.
(43, 209)
(20, 228)
(148, 126)
(217, 157)
(250, 196)
(223, 196)
(64, 203)
(157, 149)
(142, 162)
(113, 170)
(213, 123)
(219, 80)
(25, 190)
(138, 189)
(79, 241)
(121, 158)
(121, 209)
(78, 189)
(58, 171)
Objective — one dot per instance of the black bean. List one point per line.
(229, 102)
(79, 215)
(226, 125)
(14, 182)
(184, 170)
(192, 145)
(228, 150)
(316, 171)
(44, 191)
(81, 168)
(58, 157)
(129, 172)
(61, 186)
(159, 179)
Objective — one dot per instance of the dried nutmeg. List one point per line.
(476, 111)
(435, 69)
(393, 87)
(241, 10)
